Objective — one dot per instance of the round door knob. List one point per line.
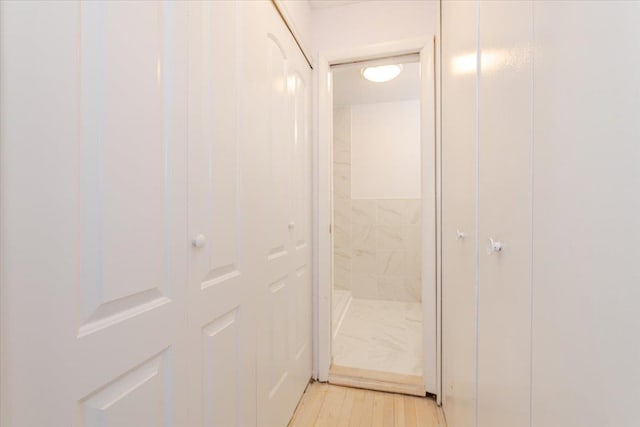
(292, 225)
(461, 235)
(199, 241)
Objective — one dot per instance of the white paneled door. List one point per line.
(94, 213)
(156, 215)
(277, 107)
(223, 225)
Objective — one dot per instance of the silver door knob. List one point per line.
(461, 235)
(199, 241)
(292, 225)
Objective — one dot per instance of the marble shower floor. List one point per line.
(381, 336)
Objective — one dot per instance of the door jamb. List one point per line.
(431, 288)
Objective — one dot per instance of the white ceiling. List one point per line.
(349, 87)
(317, 4)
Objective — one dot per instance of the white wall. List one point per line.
(372, 22)
(385, 150)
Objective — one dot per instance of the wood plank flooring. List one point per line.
(331, 405)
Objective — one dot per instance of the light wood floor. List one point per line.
(336, 406)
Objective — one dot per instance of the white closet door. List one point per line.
(504, 298)
(459, 133)
(586, 214)
(94, 208)
(223, 225)
(277, 114)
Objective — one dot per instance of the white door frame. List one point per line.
(431, 284)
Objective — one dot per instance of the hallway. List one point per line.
(227, 213)
(334, 406)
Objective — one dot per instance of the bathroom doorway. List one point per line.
(329, 63)
(377, 218)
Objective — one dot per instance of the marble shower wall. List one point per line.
(342, 198)
(377, 242)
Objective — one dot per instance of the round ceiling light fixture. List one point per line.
(381, 73)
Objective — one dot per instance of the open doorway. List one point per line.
(419, 54)
(376, 317)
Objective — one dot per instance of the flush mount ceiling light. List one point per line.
(381, 73)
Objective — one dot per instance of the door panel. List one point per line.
(119, 141)
(156, 191)
(275, 337)
(459, 188)
(221, 396)
(142, 396)
(94, 207)
(586, 228)
(280, 139)
(301, 200)
(221, 191)
(280, 83)
(505, 200)
(301, 161)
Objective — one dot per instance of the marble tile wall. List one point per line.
(342, 198)
(377, 242)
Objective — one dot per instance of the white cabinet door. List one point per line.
(586, 214)
(505, 138)
(276, 105)
(94, 213)
(459, 184)
(222, 227)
